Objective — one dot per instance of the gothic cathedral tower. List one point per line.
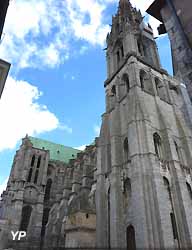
(144, 177)
(23, 200)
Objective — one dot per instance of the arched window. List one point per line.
(45, 220)
(118, 57)
(178, 151)
(113, 90)
(146, 82)
(189, 189)
(30, 175)
(126, 150)
(174, 226)
(39, 162)
(122, 51)
(157, 85)
(25, 218)
(48, 190)
(131, 243)
(166, 182)
(142, 79)
(158, 145)
(172, 215)
(126, 193)
(126, 82)
(140, 47)
(33, 161)
(36, 176)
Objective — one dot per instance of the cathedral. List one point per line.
(132, 187)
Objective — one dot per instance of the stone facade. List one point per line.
(176, 18)
(4, 70)
(132, 188)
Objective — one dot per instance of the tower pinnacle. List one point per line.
(125, 8)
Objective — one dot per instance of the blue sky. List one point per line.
(55, 86)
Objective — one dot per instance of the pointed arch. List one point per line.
(126, 150)
(113, 90)
(32, 160)
(189, 189)
(172, 214)
(125, 79)
(39, 162)
(131, 243)
(140, 47)
(178, 151)
(25, 218)
(157, 85)
(127, 192)
(158, 145)
(146, 82)
(142, 80)
(161, 89)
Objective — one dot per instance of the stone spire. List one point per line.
(125, 8)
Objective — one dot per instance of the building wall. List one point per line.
(152, 105)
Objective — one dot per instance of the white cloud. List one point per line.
(21, 113)
(3, 186)
(97, 130)
(86, 20)
(83, 49)
(66, 128)
(81, 147)
(35, 34)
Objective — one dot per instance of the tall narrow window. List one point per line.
(158, 145)
(31, 169)
(113, 90)
(157, 85)
(118, 57)
(172, 215)
(36, 176)
(126, 82)
(48, 190)
(44, 221)
(178, 152)
(33, 161)
(122, 51)
(131, 243)
(174, 226)
(126, 193)
(126, 150)
(39, 162)
(140, 49)
(25, 218)
(189, 190)
(30, 175)
(142, 79)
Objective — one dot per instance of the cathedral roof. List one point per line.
(57, 152)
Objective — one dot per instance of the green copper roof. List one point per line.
(57, 152)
